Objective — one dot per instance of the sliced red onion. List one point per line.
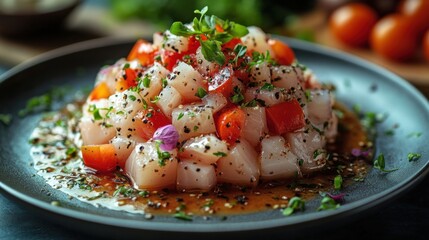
(168, 135)
(338, 198)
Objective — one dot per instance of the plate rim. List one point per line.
(286, 223)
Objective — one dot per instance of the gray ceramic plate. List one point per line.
(357, 82)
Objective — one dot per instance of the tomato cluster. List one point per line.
(395, 36)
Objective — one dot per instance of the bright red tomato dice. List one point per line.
(285, 117)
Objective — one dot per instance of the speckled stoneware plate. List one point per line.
(357, 82)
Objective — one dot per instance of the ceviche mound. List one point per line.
(211, 114)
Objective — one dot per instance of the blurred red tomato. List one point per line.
(394, 38)
(426, 45)
(418, 12)
(352, 23)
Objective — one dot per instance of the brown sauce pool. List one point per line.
(56, 157)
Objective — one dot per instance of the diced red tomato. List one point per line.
(285, 117)
(170, 58)
(143, 51)
(230, 123)
(222, 82)
(232, 43)
(193, 45)
(149, 120)
(127, 80)
(100, 91)
(283, 53)
(100, 157)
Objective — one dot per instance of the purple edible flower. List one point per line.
(337, 197)
(356, 152)
(168, 135)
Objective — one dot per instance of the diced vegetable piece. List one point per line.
(193, 120)
(123, 148)
(216, 101)
(127, 80)
(204, 66)
(222, 82)
(169, 98)
(101, 91)
(147, 171)
(170, 58)
(100, 157)
(287, 77)
(277, 160)
(153, 81)
(256, 40)
(175, 43)
(206, 149)
(319, 107)
(265, 97)
(255, 126)
(147, 121)
(187, 81)
(285, 117)
(195, 176)
(282, 52)
(260, 74)
(239, 166)
(143, 51)
(230, 123)
(308, 146)
(95, 132)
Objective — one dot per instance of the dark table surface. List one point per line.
(404, 218)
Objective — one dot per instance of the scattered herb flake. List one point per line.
(181, 114)
(295, 204)
(6, 119)
(182, 216)
(338, 182)
(220, 154)
(412, 157)
(201, 92)
(379, 163)
(328, 203)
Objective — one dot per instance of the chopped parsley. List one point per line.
(164, 82)
(295, 204)
(237, 96)
(412, 157)
(259, 58)
(96, 112)
(162, 156)
(182, 216)
(146, 82)
(181, 114)
(268, 87)
(6, 119)
(328, 203)
(379, 163)
(254, 102)
(201, 92)
(239, 51)
(155, 99)
(220, 154)
(338, 182)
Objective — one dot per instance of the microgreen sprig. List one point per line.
(211, 39)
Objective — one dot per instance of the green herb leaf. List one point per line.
(179, 29)
(238, 30)
(132, 97)
(240, 51)
(201, 92)
(155, 99)
(126, 65)
(412, 157)
(328, 203)
(379, 163)
(238, 97)
(180, 115)
(295, 204)
(164, 82)
(268, 87)
(338, 182)
(183, 216)
(220, 154)
(6, 119)
(146, 81)
(211, 50)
